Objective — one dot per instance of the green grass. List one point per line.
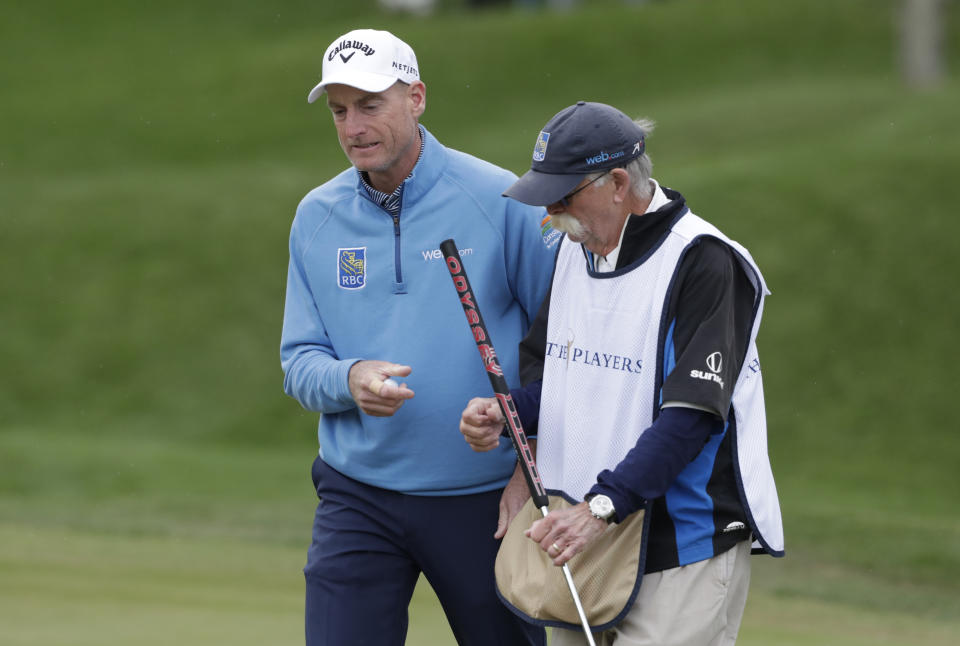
(85, 588)
(780, 611)
(78, 588)
(82, 588)
(154, 480)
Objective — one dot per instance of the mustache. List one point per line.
(569, 225)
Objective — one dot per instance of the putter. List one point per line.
(517, 436)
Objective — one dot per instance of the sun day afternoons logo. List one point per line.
(352, 267)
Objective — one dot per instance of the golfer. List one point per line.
(645, 364)
(373, 341)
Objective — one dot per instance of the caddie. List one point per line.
(644, 361)
(374, 341)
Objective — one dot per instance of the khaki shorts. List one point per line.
(700, 604)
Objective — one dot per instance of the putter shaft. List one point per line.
(576, 596)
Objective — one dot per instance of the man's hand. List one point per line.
(565, 533)
(481, 423)
(515, 494)
(373, 390)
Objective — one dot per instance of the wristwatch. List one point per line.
(602, 507)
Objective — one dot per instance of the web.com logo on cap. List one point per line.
(602, 157)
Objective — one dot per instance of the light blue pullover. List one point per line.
(362, 285)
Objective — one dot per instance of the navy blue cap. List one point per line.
(582, 139)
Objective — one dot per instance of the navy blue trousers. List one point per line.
(370, 546)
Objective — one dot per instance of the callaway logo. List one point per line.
(350, 44)
(714, 363)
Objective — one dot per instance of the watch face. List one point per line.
(601, 506)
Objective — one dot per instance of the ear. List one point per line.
(417, 93)
(621, 183)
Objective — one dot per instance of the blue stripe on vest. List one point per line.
(688, 503)
(669, 357)
(691, 507)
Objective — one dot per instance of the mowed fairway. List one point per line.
(78, 588)
(154, 480)
(81, 588)
(210, 553)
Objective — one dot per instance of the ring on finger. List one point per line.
(556, 547)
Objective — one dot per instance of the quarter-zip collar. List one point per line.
(390, 202)
(425, 174)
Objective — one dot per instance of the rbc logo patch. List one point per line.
(352, 267)
(540, 149)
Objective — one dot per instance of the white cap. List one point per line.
(367, 59)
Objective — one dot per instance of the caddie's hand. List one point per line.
(481, 423)
(374, 391)
(565, 533)
(515, 494)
